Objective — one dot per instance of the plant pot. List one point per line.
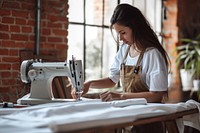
(186, 79)
(196, 84)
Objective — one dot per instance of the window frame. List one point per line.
(103, 26)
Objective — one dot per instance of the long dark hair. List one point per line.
(143, 35)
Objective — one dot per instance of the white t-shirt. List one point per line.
(154, 70)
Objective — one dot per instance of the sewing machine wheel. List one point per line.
(24, 71)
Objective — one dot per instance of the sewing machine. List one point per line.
(41, 74)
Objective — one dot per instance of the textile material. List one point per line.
(70, 116)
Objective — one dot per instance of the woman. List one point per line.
(141, 62)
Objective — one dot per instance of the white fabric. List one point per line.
(128, 102)
(154, 70)
(70, 116)
(194, 119)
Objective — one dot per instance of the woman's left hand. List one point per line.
(110, 96)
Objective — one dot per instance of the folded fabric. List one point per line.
(193, 120)
(128, 102)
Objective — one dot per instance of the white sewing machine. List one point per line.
(41, 74)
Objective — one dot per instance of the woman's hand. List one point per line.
(85, 89)
(110, 96)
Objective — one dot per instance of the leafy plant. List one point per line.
(189, 55)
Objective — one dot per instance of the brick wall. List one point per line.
(182, 20)
(170, 30)
(17, 39)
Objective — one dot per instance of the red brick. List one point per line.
(4, 27)
(61, 46)
(14, 28)
(8, 81)
(48, 46)
(27, 29)
(32, 38)
(54, 18)
(3, 51)
(14, 52)
(43, 39)
(28, 6)
(23, 14)
(5, 74)
(4, 36)
(54, 39)
(8, 20)
(46, 31)
(19, 37)
(60, 32)
(20, 21)
(16, 74)
(54, 25)
(20, 44)
(31, 22)
(8, 44)
(5, 12)
(3, 90)
(29, 45)
(16, 67)
(5, 66)
(10, 59)
(14, 5)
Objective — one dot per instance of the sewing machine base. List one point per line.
(35, 101)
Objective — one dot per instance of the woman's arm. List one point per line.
(101, 83)
(151, 97)
(97, 84)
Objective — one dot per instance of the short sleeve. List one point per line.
(115, 67)
(155, 72)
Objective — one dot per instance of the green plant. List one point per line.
(189, 55)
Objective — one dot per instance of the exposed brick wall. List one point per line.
(183, 20)
(170, 30)
(17, 39)
(170, 39)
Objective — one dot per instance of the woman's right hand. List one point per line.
(85, 89)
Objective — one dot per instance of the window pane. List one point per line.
(140, 4)
(127, 1)
(93, 53)
(109, 51)
(76, 11)
(75, 41)
(94, 12)
(108, 10)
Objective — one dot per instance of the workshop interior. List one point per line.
(50, 47)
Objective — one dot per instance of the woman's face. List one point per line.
(124, 33)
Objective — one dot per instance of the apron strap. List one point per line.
(136, 70)
(138, 61)
(127, 50)
(140, 58)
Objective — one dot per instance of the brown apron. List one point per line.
(131, 78)
(131, 75)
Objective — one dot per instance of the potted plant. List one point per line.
(188, 61)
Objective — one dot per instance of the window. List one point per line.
(89, 37)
